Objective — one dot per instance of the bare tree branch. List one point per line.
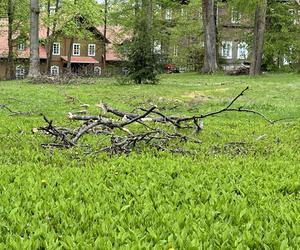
(118, 139)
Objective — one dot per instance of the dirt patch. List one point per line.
(196, 97)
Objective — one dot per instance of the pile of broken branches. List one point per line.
(67, 78)
(123, 132)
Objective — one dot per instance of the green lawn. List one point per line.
(241, 189)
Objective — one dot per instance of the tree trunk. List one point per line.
(69, 65)
(258, 39)
(69, 68)
(48, 48)
(216, 13)
(105, 32)
(149, 13)
(10, 60)
(34, 67)
(210, 48)
(50, 39)
(148, 8)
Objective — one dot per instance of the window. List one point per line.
(168, 15)
(52, 10)
(285, 60)
(56, 49)
(235, 16)
(97, 71)
(76, 49)
(21, 46)
(183, 12)
(91, 50)
(227, 50)
(242, 50)
(175, 50)
(157, 47)
(54, 70)
(20, 72)
(297, 18)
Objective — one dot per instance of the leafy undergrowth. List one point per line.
(241, 189)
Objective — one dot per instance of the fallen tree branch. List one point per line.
(117, 138)
(13, 112)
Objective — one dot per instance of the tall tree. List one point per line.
(258, 38)
(282, 36)
(34, 67)
(10, 60)
(51, 31)
(75, 19)
(69, 64)
(105, 31)
(16, 13)
(142, 61)
(210, 48)
(180, 34)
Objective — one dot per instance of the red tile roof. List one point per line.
(112, 54)
(80, 59)
(4, 44)
(115, 34)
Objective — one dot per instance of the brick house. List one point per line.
(86, 56)
(234, 30)
(234, 36)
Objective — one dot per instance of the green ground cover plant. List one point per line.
(241, 189)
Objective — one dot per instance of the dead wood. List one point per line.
(122, 132)
(14, 112)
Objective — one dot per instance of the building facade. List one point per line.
(87, 55)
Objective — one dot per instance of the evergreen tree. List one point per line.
(143, 64)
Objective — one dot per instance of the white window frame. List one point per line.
(97, 71)
(242, 45)
(235, 16)
(227, 55)
(94, 50)
(21, 46)
(54, 70)
(175, 50)
(52, 10)
(285, 60)
(20, 72)
(54, 52)
(168, 15)
(157, 47)
(76, 50)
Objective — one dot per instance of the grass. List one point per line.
(241, 190)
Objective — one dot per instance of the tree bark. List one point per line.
(50, 39)
(216, 13)
(210, 49)
(258, 39)
(34, 67)
(69, 68)
(69, 65)
(148, 7)
(149, 14)
(10, 60)
(105, 32)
